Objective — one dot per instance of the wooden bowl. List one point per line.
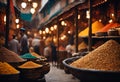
(90, 75)
(9, 77)
(30, 73)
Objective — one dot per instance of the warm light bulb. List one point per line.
(65, 24)
(43, 32)
(50, 32)
(100, 20)
(29, 0)
(17, 20)
(78, 16)
(55, 26)
(62, 23)
(44, 37)
(23, 5)
(28, 32)
(35, 34)
(40, 32)
(51, 28)
(32, 10)
(64, 36)
(5, 18)
(47, 30)
(61, 38)
(110, 21)
(35, 5)
(69, 32)
(87, 14)
(18, 26)
(112, 15)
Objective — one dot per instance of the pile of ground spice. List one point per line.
(109, 26)
(95, 27)
(28, 56)
(35, 54)
(5, 68)
(82, 46)
(9, 56)
(29, 65)
(106, 58)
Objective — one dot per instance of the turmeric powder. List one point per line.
(29, 65)
(6, 68)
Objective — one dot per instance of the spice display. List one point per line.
(113, 32)
(9, 56)
(5, 68)
(35, 54)
(82, 46)
(106, 58)
(95, 27)
(108, 26)
(29, 65)
(28, 56)
(38, 56)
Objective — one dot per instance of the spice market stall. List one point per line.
(102, 63)
(108, 20)
(16, 68)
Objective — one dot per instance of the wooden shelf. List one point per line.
(95, 39)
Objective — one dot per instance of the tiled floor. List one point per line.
(58, 75)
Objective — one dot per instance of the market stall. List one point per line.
(110, 40)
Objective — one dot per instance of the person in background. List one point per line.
(30, 38)
(36, 44)
(42, 43)
(70, 48)
(23, 42)
(47, 52)
(14, 45)
(54, 55)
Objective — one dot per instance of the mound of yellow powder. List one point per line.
(6, 68)
(95, 27)
(29, 65)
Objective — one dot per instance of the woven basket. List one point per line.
(9, 77)
(45, 68)
(33, 73)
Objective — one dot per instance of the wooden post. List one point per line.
(58, 59)
(115, 4)
(90, 27)
(7, 23)
(76, 29)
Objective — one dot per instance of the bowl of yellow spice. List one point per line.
(30, 70)
(8, 73)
